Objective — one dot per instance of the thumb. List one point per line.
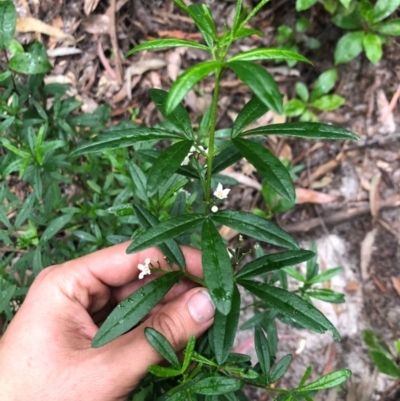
(190, 314)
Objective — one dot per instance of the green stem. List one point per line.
(213, 123)
(194, 278)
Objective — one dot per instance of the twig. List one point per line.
(389, 391)
(114, 41)
(5, 249)
(392, 105)
(341, 216)
(104, 62)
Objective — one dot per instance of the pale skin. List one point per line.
(46, 354)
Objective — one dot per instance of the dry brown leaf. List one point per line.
(242, 179)
(379, 284)
(321, 171)
(374, 197)
(199, 104)
(178, 35)
(304, 195)
(174, 63)
(286, 152)
(352, 286)
(96, 24)
(396, 284)
(90, 5)
(30, 24)
(388, 123)
(228, 233)
(367, 247)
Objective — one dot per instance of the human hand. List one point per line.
(46, 354)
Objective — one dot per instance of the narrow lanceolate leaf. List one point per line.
(272, 262)
(55, 226)
(8, 20)
(252, 111)
(134, 308)
(326, 275)
(162, 346)
(6, 295)
(160, 371)
(391, 27)
(166, 164)
(262, 350)
(384, 364)
(280, 368)
(236, 18)
(217, 268)
(373, 47)
(170, 247)
(256, 227)
(304, 130)
(164, 231)
(383, 8)
(186, 81)
(268, 166)
(245, 32)
(349, 47)
(122, 138)
(225, 327)
(179, 117)
(25, 211)
(261, 82)
(292, 306)
(216, 385)
(328, 381)
(268, 54)
(202, 16)
(29, 63)
(166, 44)
(139, 180)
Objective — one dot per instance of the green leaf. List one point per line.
(166, 165)
(350, 21)
(292, 272)
(391, 27)
(324, 84)
(384, 364)
(305, 377)
(292, 306)
(170, 248)
(139, 180)
(6, 294)
(330, 380)
(268, 54)
(327, 295)
(326, 275)
(255, 10)
(304, 130)
(302, 91)
(373, 47)
(255, 227)
(268, 166)
(162, 346)
(84, 236)
(261, 82)
(25, 211)
(4, 218)
(302, 5)
(217, 267)
(375, 342)
(275, 261)
(54, 227)
(280, 368)
(121, 138)
(188, 351)
(123, 209)
(225, 327)
(160, 371)
(202, 16)
(236, 18)
(328, 102)
(383, 8)
(245, 32)
(179, 117)
(216, 385)
(349, 47)
(166, 44)
(186, 81)
(262, 350)
(134, 308)
(366, 10)
(252, 111)
(8, 21)
(164, 231)
(294, 108)
(29, 63)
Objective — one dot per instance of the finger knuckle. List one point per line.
(172, 328)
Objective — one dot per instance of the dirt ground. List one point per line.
(359, 228)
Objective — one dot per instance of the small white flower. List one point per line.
(240, 238)
(220, 192)
(144, 269)
(214, 209)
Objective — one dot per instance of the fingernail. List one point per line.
(201, 307)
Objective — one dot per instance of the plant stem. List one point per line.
(213, 123)
(193, 278)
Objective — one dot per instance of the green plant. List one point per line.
(135, 191)
(383, 357)
(292, 39)
(319, 99)
(370, 27)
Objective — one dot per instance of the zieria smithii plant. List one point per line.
(168, 217)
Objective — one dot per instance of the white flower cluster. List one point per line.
(193, 150)
(220, 193)
(144, 269)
